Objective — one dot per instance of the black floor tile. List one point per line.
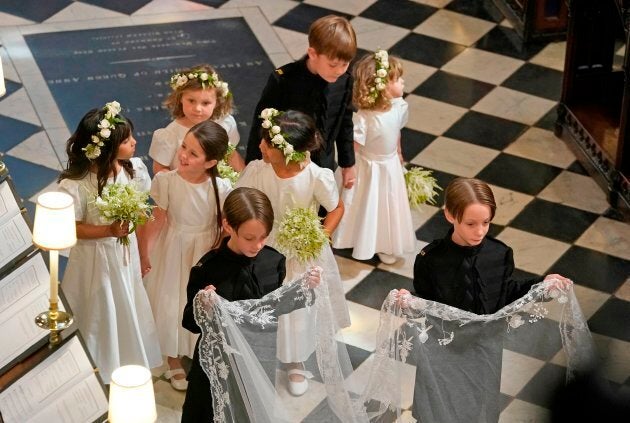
(542, 388)
(11, 87)
(123, 6)
(347, 253)
(37, 11)
(403, 13)
(577, 167)
(375, 287)
(613, 310)
(413, 142)
(485, 130)
(505, 400)
(14, 132)
(302, 16)
(482, 9)
(518, 174)
(502, 40)
(357, 355)
(435, 228)
(592, 269)
(548, 121)
(426, 50)
(453, 89)
(536, 80)
(542, 338)
(553, 220)
(520, 275)
(28, 176)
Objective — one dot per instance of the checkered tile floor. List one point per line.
(481, 104)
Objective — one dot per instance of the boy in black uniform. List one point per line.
(468, 269)
(319, 85)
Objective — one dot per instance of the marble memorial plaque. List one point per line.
(87, 68)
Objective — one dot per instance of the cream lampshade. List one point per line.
(131, 397)
(54, 230)
(3, 88)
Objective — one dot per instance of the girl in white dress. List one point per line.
(103, 288)
(378, 216)
(198, 95)
(291, 180)
(187, 224)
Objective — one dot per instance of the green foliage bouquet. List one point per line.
(225, 170)
(301, 235)
(421, 186)
(125, 203)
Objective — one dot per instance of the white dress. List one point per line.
(107, 297)
(312, 187)
(167, 140)
(377, 216)
(188, 234)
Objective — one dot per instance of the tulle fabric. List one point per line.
(436, 363)
(239, 354)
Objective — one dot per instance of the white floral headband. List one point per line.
(278, 140)
(105, 128)
(381, 60)
(211, 79)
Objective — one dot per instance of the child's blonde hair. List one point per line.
(364, 73)
(333, 36)
(462, 192)
(174, 101)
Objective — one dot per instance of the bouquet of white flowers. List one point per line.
(225, 170)
(125, 203)
(301, 235)
(421, 186)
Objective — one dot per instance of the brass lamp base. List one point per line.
(55, 321)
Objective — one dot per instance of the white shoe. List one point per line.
(177, 384)
(387, 258)
(298, 388)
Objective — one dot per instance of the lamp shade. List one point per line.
(3, 88)
(54, 228)
(131, 397)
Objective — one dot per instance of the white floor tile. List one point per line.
(563, 188)
(514, 105)
(532, 253)
(372, 35)
(455, 157)
(607, 236)
(432, 116)
(543, 146)
(483, 66)
(37, 149)
(454, 27)
(81, 11)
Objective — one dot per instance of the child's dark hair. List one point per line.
(333, 36)
(462, 192)
(79, 165)
(173, 102)
(246, 203)
(213, 140)
(298, 129)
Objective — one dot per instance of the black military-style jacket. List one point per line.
(235, 277)
(294, 87)
(477, 279)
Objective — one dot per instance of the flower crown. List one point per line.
(278, 140)
(105, 128)
(206, 79)
(381, 60)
